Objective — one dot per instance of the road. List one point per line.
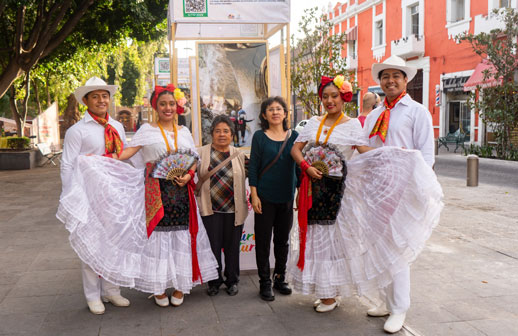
(494, 172)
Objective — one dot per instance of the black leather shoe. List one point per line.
(232, 290)
(213, 290)
(266, 292)
(281, 285)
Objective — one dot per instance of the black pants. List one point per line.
(276, 217)
(223, 234)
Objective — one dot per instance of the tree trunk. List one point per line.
(14, 110)
(71, 114)
(37, 96)
(26, 99)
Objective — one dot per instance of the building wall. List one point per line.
(443, 58)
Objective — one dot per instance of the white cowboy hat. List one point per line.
(393, 62)
(94, 83)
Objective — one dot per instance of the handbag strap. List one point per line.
(288, 135)
(215, 170)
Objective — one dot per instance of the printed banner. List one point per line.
(238, 11)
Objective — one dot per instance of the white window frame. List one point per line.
(378, 50)
(406, 6)
(406, 24)
(495, 4)
(457, 27)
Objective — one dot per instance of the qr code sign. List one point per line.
(195, 6)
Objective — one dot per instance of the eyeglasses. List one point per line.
(273, 109)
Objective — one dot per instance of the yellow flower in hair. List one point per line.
(342, 85)
(339, 80)
(178, 94)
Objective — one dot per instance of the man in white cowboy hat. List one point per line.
(96, 134)
(399, 121)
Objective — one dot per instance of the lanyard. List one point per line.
(165, 138)
(330, 130)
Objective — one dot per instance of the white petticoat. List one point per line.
(104, 211)
(392, 202)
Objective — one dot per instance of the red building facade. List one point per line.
(423, 33)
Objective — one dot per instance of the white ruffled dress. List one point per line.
(391, 203)
(104, 211)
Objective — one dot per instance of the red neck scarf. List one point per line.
(382, 124)
(112, 139)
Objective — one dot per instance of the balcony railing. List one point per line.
(409, 46)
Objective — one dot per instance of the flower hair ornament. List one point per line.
(345, 88)
(178, 95)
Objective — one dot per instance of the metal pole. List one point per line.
(472, 171)
(436, 143)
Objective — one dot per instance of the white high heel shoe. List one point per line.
(175, 301)
(324, 308)
(163, 302)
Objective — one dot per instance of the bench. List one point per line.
(456, 137)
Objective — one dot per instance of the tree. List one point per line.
(317, 54)
(53, 32)
(498, 105)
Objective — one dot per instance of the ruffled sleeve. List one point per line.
(145, 136)
(309, 131)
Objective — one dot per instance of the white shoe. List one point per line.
(318, 301)
(164, 302)
(176, 302)
(378, 311)
(96, 307)
(394, 323)
(116, 300)
(324, 308)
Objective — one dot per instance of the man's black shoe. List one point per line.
(232, 290)
(213, 290)
(281, 285)
(266, 292)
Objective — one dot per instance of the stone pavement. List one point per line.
(464, 283)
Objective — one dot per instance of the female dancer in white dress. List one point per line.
(128, 205)
(355, 243)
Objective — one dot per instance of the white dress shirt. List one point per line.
(410, 127)
(85, 137)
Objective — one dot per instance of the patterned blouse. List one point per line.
(221, 183)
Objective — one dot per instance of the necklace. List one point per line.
(175, 134)
(328, 132)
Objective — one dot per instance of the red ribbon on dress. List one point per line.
(154, 206)
(112, 139)
(382, 124)
(305, 203)
(193, 230)
(169, 88)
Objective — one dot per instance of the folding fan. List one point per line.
(174, 164)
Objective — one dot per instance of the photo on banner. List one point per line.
(232, 80)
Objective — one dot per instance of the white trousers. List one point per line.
(94, 286)
(397, 294)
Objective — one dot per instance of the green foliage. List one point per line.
(317, 54)
(498, 105)
(63, 62)
(18, 143)
(487, 151)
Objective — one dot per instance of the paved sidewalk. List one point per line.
(464, 283)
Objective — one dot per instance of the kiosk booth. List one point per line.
(234, 68)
